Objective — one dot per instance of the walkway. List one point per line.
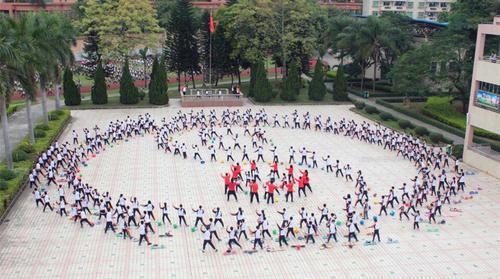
(18, 125)
(456, 139)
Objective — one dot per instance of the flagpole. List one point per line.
(210, 53)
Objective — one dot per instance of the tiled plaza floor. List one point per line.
(34, 244)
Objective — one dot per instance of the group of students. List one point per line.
(66, 159)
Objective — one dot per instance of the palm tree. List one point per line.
(13, 46)
(374, 36)
(52, 42)
(350, 45)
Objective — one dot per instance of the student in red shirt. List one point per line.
(270, 191)
(231, 189)
(253, 166)
(227, 180)
(254, 191)
(305, 179)
(236, 171)
(289, 190)
(301, 185)
(290, 172)
(274, 169)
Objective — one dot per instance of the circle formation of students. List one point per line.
(425, 195)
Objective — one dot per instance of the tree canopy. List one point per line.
(120, 25)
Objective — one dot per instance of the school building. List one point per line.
(484, 103)
(417, 9)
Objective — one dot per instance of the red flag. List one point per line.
(211, 24)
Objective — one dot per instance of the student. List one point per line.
(218, 216)
(232, 238)
(352, 231)
(164, 213)
(242, 230)
(84, 219)
(143, 234)
(310, 233)
(46, 202)
(416, 220)
(332, 231)
(199, 215)
(231, 190)
(289, 190)
(181, 213)
(211, 227)
(376, 230)
(62, 208)
(109, 221)
(282, 234)
(207, 239)
(257, 238)
(254, 191)
(324, 213)
(38, 197)
(147, 222)
(270, 191)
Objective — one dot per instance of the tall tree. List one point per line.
(129, 94)
(181, 49)
(291, 84)
(121, 25)
(72, 96)
(409, 74)
(158, 94)
(263, 91)
(340, 85)
(317, 89)
(99, 94)
(14, 46)
(349, 41)
(91, 55)
(373, 40)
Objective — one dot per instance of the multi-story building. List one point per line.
(484, 104)
(417, 9)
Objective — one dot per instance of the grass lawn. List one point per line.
(14, 106)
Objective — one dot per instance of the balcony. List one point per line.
(487, 70)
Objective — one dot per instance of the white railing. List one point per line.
(217, 94)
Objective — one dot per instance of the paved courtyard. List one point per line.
(34, 244)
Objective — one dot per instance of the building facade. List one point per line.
(417, 9)
(484, 104)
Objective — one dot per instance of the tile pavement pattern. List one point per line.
(34, 244)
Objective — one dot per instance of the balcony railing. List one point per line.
(491, 59)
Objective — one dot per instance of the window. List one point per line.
(375, 4)
(410, 5)
(409, 14)
(421, 15)
(421, 5)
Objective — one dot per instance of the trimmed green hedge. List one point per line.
(27, 154)
(371, 109)
(452, 130)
